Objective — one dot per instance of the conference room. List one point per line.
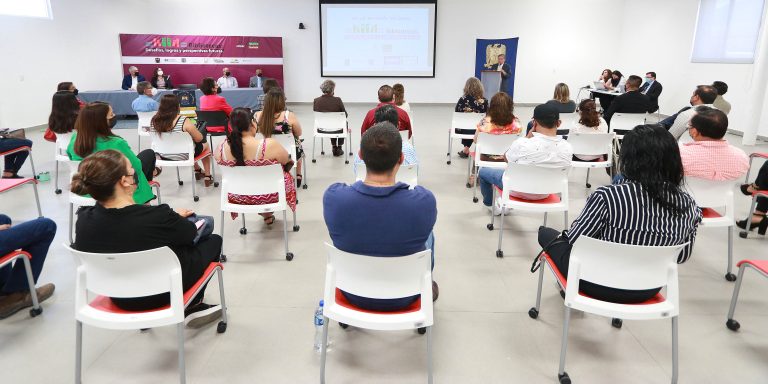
(274, 195)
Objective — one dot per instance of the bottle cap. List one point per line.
(322, 302)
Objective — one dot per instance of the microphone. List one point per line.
(586, 87)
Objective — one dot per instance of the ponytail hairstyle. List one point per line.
(239, 124)
(588, 112)
(90, 125)
(98, 174)
(165, 118)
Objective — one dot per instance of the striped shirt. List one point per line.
(624, 213)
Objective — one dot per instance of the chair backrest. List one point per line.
(711, 194)
(535, 179)
(489, 144)
(173, 142)
(592, 143)
(145, 120)
(62, 143)
(567, 119)
(623, 122)
(212, 118)
(623, 266)
(248, 180)
(288, 142)
(408, 174)
(330, 121)
(462, 120)
(378, 277)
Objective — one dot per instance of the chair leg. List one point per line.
(746, 177)
(56, 177)
(220, 277)
(194, 189)
(674, 351)
(323, 349)
(350, 141)
(449, 146)
(743, 234)
(288, 254)
(493, 201)
(735, 297)
(476, 172)
(729, 271)
(37, 200)
(182, 366)
(429, 355)
(314, 143)
(565, 220)
(469, 173)
(32, 292)
(71, 219)
(159, 199)
(78, 352)
(178, 175)
(535, 312)
(499, 252)
(587, 182)
(545, 219)
(564, 345)
(32, 164)
(244, 229)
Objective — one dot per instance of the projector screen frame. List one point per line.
(434, 34)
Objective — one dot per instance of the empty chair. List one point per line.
(207, 119)
(623, 122)
(621, 266)
(331, 125)
(135, 274)
(145, 122)
(180, 142)
(381, 278)
(489, 145)
(462, 121)
(592, 144)
(761, 266)
(60, 156)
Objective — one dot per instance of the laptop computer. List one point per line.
(599, 85)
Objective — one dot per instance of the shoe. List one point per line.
(463, 155)
(14, 302)
(435, 291)
(298, 181)
(744, 189)
(337, 151)
(201, 315)
(761, 226)
(493, 208)
(497, 207)
(208, 180)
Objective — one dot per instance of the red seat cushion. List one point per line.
(6, 258)
(761, 265)
(342, 300)
(710, 213)
(551, 199)
(105, 304)
(659, 298)
(8, 184)
(759, 154)
(19, 149)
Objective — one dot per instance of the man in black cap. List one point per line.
(542, 147)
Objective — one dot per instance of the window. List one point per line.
(26, 8)
(727, 31)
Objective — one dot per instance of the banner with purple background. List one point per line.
(188, 59)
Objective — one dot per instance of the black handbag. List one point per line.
(560, 239)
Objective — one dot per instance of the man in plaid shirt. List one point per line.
(709, 156)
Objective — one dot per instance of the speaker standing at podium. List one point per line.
(506, 72)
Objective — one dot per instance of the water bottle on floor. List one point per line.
(319, 327)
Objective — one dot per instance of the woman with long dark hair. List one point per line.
(281, 121)
(64, 111)
(93, 133)
(160, 80)
(243, 148)
(648, 207)
(169, 119)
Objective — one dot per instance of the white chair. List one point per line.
(624, 122)
(461, 120)
(408, 174)
(255, 181)
(9, 184)
(621, 266)
(60, 156)
(568, 119)
(527, 178)
(19, 256)
(289, 143)
(710, 195)
(145, 122)
(756, 194)
(487, 144)
(135, 274)
(326, 122)
(379, 278)
(180, 142)
(592, 144)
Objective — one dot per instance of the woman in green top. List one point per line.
(93, 133)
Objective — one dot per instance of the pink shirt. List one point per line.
(713, 160)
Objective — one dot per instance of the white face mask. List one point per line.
(154, 91)
(159, 73)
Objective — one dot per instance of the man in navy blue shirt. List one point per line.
(380, 216)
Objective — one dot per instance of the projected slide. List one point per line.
(378, 39)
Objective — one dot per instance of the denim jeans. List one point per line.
(34, 236)
(13, 162)
(488, 178)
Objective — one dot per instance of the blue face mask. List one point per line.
(648, 79)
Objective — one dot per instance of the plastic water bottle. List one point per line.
(319, 327)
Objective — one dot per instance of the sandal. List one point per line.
(207, 180)
(199, 175)
(269, 220)
(298, 180)
(157, 172)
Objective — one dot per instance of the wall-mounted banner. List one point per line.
(487, 53)
(188, 59)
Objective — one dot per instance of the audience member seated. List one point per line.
(709, 156)
(330, 103)
(132, 79)
(269, 84)
(281, 121)
(647, 208)
(562, 99)
(399, 96)
(542, 147)
(160, 80)
(630, 102)
(652, 89)
(720, 103)
(759, 218)
(256, 81)
(472, 101)
(145, 102)
(211, 101)
(226, 80)
(243, 148)
(386, 96)
(388, 113)
(14, 161)
(589, 122)
(64, 110)
(117, 224)
(93, 133)
(35, 237)
(500, 120)
(169, 119)
(397, 220)
(678, 123)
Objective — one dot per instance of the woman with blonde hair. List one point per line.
(399, 93)
(472, 101)
(562, 99)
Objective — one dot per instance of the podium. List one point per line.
(491, 81)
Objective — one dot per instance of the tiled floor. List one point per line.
(482, 330)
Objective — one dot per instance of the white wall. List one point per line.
(559, 41)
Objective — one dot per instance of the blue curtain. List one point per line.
(487, 50)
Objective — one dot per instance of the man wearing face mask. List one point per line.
(132, 79)
(652, 89)
(145, 102)
(678, 124)
(226, 80)
(709, 156)
(257, 81)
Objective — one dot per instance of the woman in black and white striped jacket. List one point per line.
(648, 207)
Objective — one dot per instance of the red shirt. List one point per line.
(215, 103)
(404, 122)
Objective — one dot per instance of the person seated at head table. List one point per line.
(160, 80)
(257, 81)
(132, 79)
(226, 80)
(652, 89)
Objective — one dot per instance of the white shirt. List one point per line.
(227, 82)
(134, 82)
(544, 151)
(680, 125)
(583, 129)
